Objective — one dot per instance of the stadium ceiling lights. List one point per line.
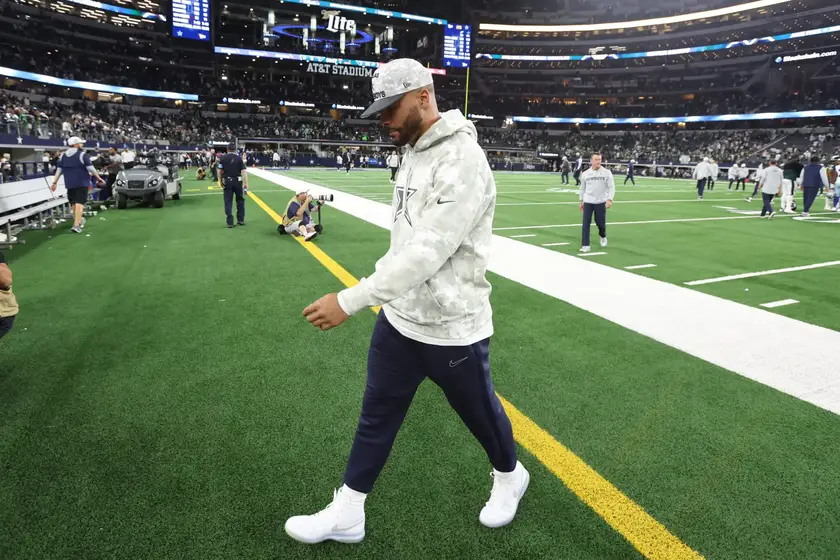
(368, 11)
(119, 10)
(294, 56)
(693, 118)
(12, 73)
(669, 52)
(628, 24)
(307, 58)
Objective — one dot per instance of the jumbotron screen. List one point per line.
(191, 19)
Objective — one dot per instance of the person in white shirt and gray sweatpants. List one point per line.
(597, 190)
(770, 183)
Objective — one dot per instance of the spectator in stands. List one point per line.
(77, 169)
(8, 304)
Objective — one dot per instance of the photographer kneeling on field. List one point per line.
(297, 217)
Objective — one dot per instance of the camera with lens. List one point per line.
(324, 197)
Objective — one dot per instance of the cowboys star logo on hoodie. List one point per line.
(404, 194)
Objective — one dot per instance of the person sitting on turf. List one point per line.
(296, 218)
(8, 304)
(200, 173)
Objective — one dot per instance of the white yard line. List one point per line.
(575, 202)
(554, 244)
(701, 325)
(523, 235)
(779, 303)
(592, 254)
(672, 221)
(762, 273)
(639, 266)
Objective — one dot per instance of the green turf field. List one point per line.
(723, 240)
(148, 407)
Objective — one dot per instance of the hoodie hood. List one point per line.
(70, 151)
(450, 123)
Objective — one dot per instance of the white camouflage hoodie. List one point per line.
(431, 283)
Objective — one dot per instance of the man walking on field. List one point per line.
(597, 191)
(436, 319)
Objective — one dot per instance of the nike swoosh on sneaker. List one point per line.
(441, 201)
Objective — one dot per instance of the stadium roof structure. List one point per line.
(582, 28)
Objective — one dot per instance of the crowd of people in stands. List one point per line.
(114, 123)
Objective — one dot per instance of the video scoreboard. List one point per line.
(191, 19)
(457, 42)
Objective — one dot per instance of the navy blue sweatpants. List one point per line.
(810, 195)
(6, 324)
(233, 188)
(396, 367)
(600, 211)
(701, 186)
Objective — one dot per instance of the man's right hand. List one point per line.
(581, 206)
(53, 187)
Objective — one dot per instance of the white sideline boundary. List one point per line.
(761, 273)
(699, 324)
(642, 222)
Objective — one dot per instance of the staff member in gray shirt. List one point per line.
(770, 185)
(597, 191)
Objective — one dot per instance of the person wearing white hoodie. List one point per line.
(436, 319)
(393, 162)
(702, 172)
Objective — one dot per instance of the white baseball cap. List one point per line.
(393, 80)
(73, 140)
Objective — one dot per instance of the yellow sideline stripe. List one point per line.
(338, 271)
(624, 515)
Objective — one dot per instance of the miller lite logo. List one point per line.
(336, 23)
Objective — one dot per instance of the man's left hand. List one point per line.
(609, 203)
(325, 313)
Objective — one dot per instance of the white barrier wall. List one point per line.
(23, 194)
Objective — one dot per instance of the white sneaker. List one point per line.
(603, 242)
(584, 249)
(82, 223)
(343, 520)
(508, 489)
(310, 235)
(771, 216)
(806, 214)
